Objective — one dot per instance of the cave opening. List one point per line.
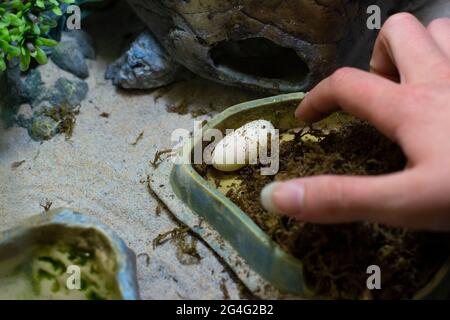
(261, 58)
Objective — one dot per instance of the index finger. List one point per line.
(367, 96)
(405, 47)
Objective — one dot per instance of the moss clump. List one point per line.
(49, 271)
(336, 257)
(43, 127)
(52, 121)
(64, 117)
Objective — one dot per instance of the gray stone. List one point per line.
(13, 84)
(85, 42)
(144, 66)
(32, 86)
(67, 92)
(21, 87)
(18, 88)
(68, 56)
(23, 121)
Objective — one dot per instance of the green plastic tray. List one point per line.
(282, 270)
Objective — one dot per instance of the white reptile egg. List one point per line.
(238, 149)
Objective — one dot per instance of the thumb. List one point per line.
(339, 199)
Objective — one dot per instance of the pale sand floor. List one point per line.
(100, 173)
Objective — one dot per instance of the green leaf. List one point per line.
(6, 19)
(57, 11)
(46, 42)
(36, 29)
(41, 57)
(45, 29)
(2, 65)
(4, 45)
(40, 4)
(13, 51)
(25, 61)
(15, 21)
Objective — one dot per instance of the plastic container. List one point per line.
(282, 270)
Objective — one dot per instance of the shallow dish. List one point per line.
(62, 254)
(282, 270)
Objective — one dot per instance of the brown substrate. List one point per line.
(336, 257)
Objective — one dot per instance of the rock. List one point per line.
(63, 92)
(85, 42)
(272, 46)
(43, 120)
(144, 66)
(68, 56)
(17, 88)
(24, 116)
(67, 92)
(43, 127)
(23, 121)
(13, 84)
(32, 86)
(22, 87)
(27, 102)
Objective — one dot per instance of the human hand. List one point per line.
(407, 98)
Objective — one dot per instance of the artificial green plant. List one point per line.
(24, 28)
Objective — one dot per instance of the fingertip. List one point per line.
(401, 19)
(283, 198)
(300, 113)
(306, 113)
(266, 197)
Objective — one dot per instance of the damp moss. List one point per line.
(92, 295)
(57, 264)
(49, 265)
(65, 118)
(43, 127)
(80, 256)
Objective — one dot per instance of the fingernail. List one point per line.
(284, 198)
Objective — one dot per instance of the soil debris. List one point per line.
(46, 204)
(138, 138)
(146, 256)
(157, 159)
(181, 108)
(185, 243)
(17, 164)
(223, 287)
